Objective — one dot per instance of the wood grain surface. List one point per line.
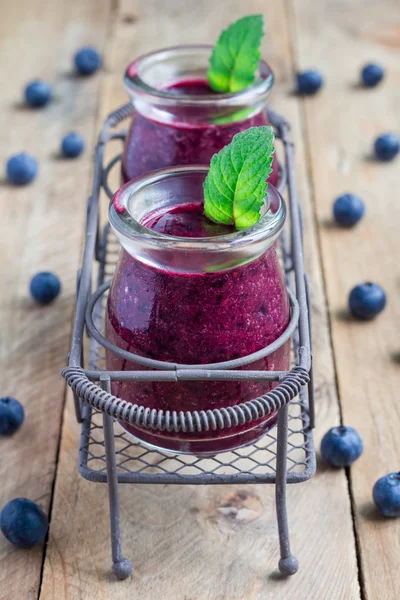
(41, 230)
(340, 36)
(216, 543)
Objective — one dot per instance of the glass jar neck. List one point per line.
(170, 86)
(167, 189)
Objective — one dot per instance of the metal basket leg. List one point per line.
(288, 564)
(122, 567)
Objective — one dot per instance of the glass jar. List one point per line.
(179, 120)
(180, 297)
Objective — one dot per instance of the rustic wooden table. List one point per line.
(346, 551)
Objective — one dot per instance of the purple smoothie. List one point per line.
(152, 145)
(196, 318)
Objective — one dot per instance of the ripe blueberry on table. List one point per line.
(45, 287)
(367, 300)
(387, 146)
(72, 145)
(341, 446)
(348, 210)
(37, 93)
(371, 75)
(87, 61)
(21, 168)
(309, 82)
(386, 495)
(23, 523)
(11, 415)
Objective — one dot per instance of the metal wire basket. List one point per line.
(108, 454)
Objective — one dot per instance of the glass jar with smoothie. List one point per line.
(190, 291)
(179, 119)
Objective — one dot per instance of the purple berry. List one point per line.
(72, 145)
(341, 446)
(23, 523)
(371, 75)
(45, 287)
(11, 415)
(367, 300)
(21, 168)
(386, 494)
(87, 61)
(309, 82)
(37, 94)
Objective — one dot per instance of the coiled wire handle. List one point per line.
(192, 421)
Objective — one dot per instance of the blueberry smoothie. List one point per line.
(196, 318)
(179, 119)
(152, 145)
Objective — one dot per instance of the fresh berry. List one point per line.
(72, 145)
(21, 168)
(367, 300)
(348, 210)
(45, 287)
(37, 93)
(371, 75)
(386, 146)
(11, 415)
(341, 446)
(87, 61)
(23, 523)
(309, 82)
(386, 494)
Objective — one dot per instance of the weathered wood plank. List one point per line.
(42, 230)
(183, 542)
(341, 124)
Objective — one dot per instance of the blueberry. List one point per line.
(309, 82)
(348, 210)
(21, 168)
(386, 494)
(367, 300)
(341, 446)
(23, 523)
(11, 415)
(87, 61)
(386, 146)
(37, 93)
(72, 145)
(371, 75)
(45, 287)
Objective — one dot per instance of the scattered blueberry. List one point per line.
(348, 210)
(37, 93)
(386, 146)
(341, 446)
(11, 415)
(386, 494)
(367, 300)
(87, 61)
(45, 287)
(21, 168)
(23, 523)
(72, 145)
(309, 82)
(371, 75)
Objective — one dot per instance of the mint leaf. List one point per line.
(235, 187)
(236, 55)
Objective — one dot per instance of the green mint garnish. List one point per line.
(236, 55)
(235, 186)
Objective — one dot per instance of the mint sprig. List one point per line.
(236, 55)
(235, 186)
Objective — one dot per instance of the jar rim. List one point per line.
(136, 85)
(126, 226)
